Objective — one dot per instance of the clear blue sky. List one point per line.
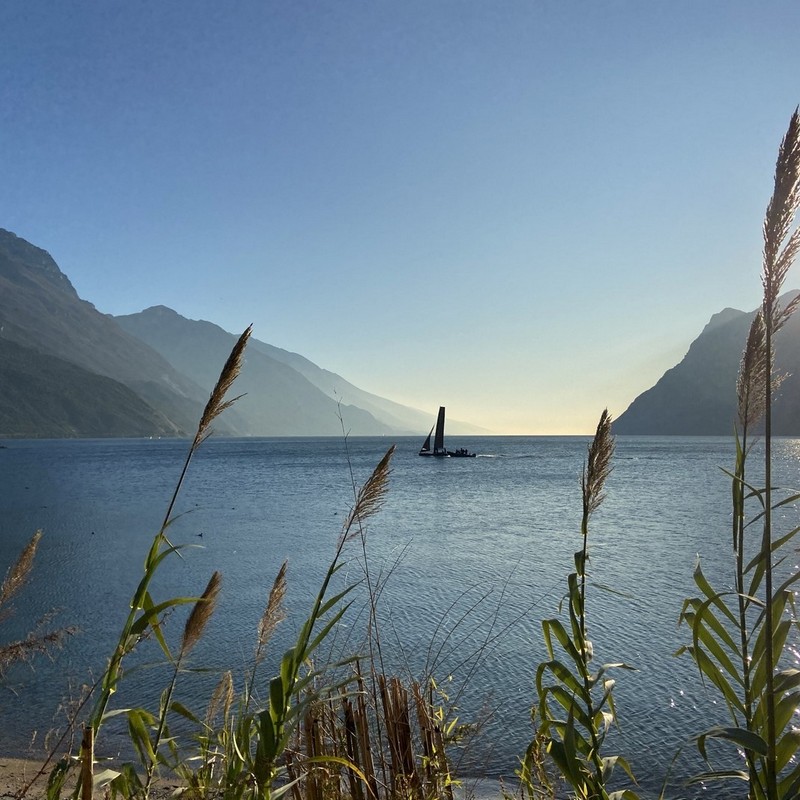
(523, 210)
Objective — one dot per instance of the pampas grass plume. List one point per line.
(216, 402)
(780, 216)
(598, 465)
(201, 614)
(370, 497)
(273, 613)
(19, 571)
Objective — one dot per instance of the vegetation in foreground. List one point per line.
(348, 731)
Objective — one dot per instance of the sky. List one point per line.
(525, 211)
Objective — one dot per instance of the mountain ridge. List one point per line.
(71, 343)
(69, 370)
(277, 399)
(40, 309)
(697, 396)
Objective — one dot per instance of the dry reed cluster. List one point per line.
(40, 641)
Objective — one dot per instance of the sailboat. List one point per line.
(439, 450)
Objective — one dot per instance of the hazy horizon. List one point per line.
(523, 211)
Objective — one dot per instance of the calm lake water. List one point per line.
(475, 552)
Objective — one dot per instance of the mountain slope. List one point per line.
(171, 364)
(698, 395)
(39, 308)
(278, 400)
(397, 416)
(46, 397)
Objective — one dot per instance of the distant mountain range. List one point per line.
(698, 395)
(68, 370)
(285, 393)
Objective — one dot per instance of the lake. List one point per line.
(474, 553)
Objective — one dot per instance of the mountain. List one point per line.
(397, 416)
(46, 397)
(698, 395)
(40, 309)
(69, 370)
(286, 393)
(278, 400)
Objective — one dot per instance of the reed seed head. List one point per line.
(369, 498)
(598, 465)
(274, 613)
(751, 386)
(201, 614)
(33, 644)
(781, 213)
(221, 699)
(216, 402)
(18, 573)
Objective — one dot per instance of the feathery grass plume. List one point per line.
(221, 699)
(216, 402)
(781, 212)
(18, 573)
(38, 641)
(598, 465)
(751, 385)
(273, 614)
(193, 630)
(201, 614)
(369, 499)
(33, 645)
(780, 249)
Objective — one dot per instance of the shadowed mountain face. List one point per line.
(157, 370)
(46, 397)
(278, 400)
(698, 396)
(40, 309)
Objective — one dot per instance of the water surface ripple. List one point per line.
(476, 552)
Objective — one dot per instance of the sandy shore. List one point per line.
(16, 773)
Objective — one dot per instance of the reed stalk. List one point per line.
(192, 633)
(778, 257)
(566, 684)
(143, 612)
(738, 637)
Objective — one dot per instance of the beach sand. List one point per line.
(16, 773)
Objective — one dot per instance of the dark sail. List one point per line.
(438, 441)
(426, 448)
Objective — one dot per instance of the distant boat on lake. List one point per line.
(439, 450)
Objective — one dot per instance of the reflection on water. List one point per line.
(475, 553)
